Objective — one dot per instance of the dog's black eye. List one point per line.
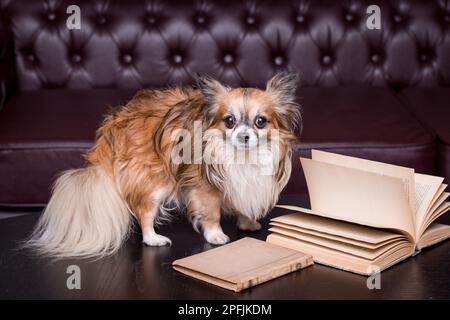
(260, 122)
(229, 121)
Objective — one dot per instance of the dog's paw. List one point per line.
(216, 236)
(156, 240)
(246, 224)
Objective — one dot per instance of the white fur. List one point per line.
(246, 177)
(249, 192)
(250, 188)
(161, 213)
(165, 200)
(244, 129)
(85, 216)
(244, 223)
(153, 239)
(215, 235)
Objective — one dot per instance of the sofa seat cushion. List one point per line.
(367, 122)
(45, 132)
(432, 107)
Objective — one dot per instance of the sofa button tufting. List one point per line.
(300, 18)
(102, 20)
(177, 58)
(375, 58)
(76, 58)
(278, 60)
(200, 19)
(326, 60)
(51, 16)
(151, 19)
(424, 57)
(398, 18)
(31, 57)
(447, 18)
(127, 58)
(228, 58)
(251, 20)
(349, 17)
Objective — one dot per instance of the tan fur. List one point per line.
(132, 154)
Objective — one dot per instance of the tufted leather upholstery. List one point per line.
(6, 59)
(420, 101)
(351, 76)
(363, 122)
(49, 139)
(136, 43)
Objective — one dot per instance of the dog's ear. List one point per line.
(209, 87)
(283, 87)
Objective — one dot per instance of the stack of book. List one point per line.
(365, 216)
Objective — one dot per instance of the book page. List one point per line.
(333, 237)
(404, 173)
(358, 196)
(338, 259)
(437, 202)
(438, 194)
(426, 190)
(434, 234)
(354, 250)
(439, 211)
(306, 219)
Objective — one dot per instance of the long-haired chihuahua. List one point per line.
(208, 149)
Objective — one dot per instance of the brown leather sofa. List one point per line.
(378, 94)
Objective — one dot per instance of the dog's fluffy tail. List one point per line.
(86, 216)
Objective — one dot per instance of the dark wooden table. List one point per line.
(139, 272)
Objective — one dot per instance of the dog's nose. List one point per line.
(244, 137)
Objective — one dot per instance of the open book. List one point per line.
(365, 216)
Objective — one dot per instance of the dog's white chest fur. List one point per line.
(249, 190)
(248, 179)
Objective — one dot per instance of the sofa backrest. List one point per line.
(138, 43)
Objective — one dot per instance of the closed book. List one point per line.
(242, 264)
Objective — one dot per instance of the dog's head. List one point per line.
(247, 116)
(247, 141)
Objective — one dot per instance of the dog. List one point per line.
(141, 167)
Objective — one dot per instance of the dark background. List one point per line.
(140, 272)
(376, 94)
